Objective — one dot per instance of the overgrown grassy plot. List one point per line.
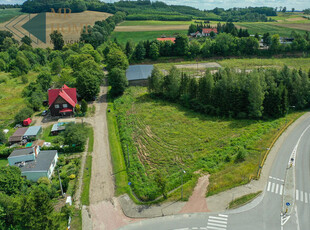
(7, 14)
(166, 138)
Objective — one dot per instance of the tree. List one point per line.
(140, 52)
(57, 40)
(11, 181)
(275, 43)
(129, 49)
(171, 84)
(26, 40)
(56, 65)
(87, 85)
(155, 81)
(116, 59)
(194, 49)
(36, 99)
(154, 51)
(256, 96)
(181, 45)
(266, 39)
(44, 79)
(75, 134)
(78, 6)
(192, 29)
(293, 10)
(284, 9)
(84, 106)
(23, 114)
(117, 81)
(2, 137)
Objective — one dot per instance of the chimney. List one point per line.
(35, 151)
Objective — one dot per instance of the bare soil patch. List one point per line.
(150, 28)
(70, 25)
(305, 26)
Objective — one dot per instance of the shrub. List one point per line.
(23, 114)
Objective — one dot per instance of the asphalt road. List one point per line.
(265, 212)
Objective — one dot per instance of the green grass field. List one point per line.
(136, 37)
(167, 136)
(11, 100)
(264, 27)
(152, 23)
(8, 14)
(3, 162)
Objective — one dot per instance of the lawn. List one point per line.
(3, 162)
(7, 14)
(152, 23)
(264, 27)
(46, 136)
(136, 37)
(165, 139)
(11, 100)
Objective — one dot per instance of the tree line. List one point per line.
(262, 93)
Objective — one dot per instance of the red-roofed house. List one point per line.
(166, 39)
(207, 31)
(62, 101)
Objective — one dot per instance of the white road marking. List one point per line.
(182, 229)
(215, 228)
(203, 228)
(306, 198)
(297, 194)
(268, 188)
(218, 221)
(272, 187)
(301, 196)
(222, 215)
(277, 188)
(217, 225)
(194, 228)
(297, 220)
(217, 218)
(281, 189)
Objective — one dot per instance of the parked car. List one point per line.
(44, 113)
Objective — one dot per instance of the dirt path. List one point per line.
(197, 201)
(101, 184)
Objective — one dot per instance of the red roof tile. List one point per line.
(68, 94)
(65, 110)
(166, 39)
(209, 30)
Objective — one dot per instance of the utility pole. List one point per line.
(62, 191)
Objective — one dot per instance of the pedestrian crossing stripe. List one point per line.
(218, 222)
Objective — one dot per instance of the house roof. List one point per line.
(19, 133)
(68, 94)
(33, 131)
(166, 39)
(21, 152)
(65, 110)
(139, 72)
(42, 162)
(209, 30)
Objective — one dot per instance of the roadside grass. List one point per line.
(11, 100)
(8, 14)
(243, 200)
(164, 136)
(87, 169)
(118, 161)
(267, 27)
(247, 63)
(76, 223)
(3, 162)
(136, 37)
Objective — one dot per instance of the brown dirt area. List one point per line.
(150, 28)
(296, 19)
(305, 26)
(70, 25)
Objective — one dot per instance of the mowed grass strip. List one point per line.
(136, 37)
(267, 27)
(167, 135)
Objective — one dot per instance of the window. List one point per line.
(65, 105)
(56, 106)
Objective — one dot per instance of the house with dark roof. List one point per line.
(138, 74)
(34, 163)
(62, 101)
(18, 135)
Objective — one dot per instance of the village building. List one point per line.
(137, 75)
(18, 136)
(166, 39)
(62, 101)
(32, 132)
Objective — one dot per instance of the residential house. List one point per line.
(62, 101)
(166, 39)
(32, 132)
(17, 137)
(138, 74)
(34, 163)
(207, 31)
(196, 35)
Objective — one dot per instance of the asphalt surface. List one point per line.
(266, 212)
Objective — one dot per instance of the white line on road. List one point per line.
(217, 225)
(297, 194)
(268, 188)
(277, 188)
(218, 221)
(272, 187)
(301, 196)
(306, 198)
(215, 228)
(297, 220)
(194, 228)
(217, 218)
(203, 228)
(182, 229)
(281, 189)
(222, 215)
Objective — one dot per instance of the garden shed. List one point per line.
(137, 75)
(18, 135)
(33, 132)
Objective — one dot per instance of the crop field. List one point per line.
(7, 14)
(150, 28)
(298, 26)
(11, 100)
(164, 138)
(154, 23)
(136, 37)
(272, 28)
